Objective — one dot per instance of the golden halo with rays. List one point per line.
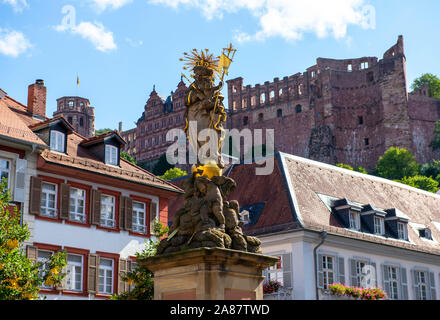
(200, 58)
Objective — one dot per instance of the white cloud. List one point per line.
(95, 32)
(101, 5)
(289, 19)
(134, 43)
(13, 43)
(17, 5)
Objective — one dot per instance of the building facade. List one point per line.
(341, 111)
(78, 113)
(77, 195)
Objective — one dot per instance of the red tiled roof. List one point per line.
(46, 122)
(14, 121)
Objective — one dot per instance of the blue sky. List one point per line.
(121, 48)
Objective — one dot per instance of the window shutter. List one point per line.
(415, 284)
(386, 280)
(32, 253)
(122, 212)
(95, 203)
(121, 273)
(432, 286)
(320, 272)
(20, 178)
(353, 275)
(65, 201)
(128, 214)
(93, 274)
(129, 268)
(403, 284)
(341, 270)
(287, 270)
(153, 209)
(63, 283)
(35, 195)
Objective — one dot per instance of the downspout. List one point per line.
(323, 236)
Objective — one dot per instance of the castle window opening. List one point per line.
(299, 89)
(370, 77)
(350, 67)
(70, 103)
(234, 105)
(280, 113)
(280, 92)
(245, 121)
(263, 98)
(361, 120)
(260, 117)
(243, 103)
(313, 74)
(367, 141)
(298, 108)
(272, 95)
(364, 65)
(253, 101)
(81, 122)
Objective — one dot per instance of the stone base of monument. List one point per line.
(208, 274)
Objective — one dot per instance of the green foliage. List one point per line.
(20, 277)
(432, 81)
(431, 169)
(162, 166)
(173, 173)
(348, 167)
(421, 182)
(435, 143)
(102, 131)
(396, 164)
(142, 277)
(126, 156)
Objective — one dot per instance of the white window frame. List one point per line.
(104, 277)
(111, 155)
(105, 221)
(276, 272)
(7, 171)
(137, 212)
(71, 266)
(57, 141)
(365, 65)
(327, 272)
(402, 231)
(43, 266)
(75, 216)
(393, 278)
(354, 220)
(379, 228)
(422, 286)
(45, 205)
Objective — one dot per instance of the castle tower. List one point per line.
(79, 113)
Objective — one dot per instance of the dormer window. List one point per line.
(425, 233)
(57, 141)
(379, 226)
(354, 220)
(402, 232)
(111, 155)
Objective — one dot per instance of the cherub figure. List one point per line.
(210, 192)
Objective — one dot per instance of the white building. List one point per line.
(362, 230)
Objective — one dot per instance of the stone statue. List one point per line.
(207, 218)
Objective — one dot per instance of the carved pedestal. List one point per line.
(208, 274)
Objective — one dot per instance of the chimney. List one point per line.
(120, 127)
(37, 99)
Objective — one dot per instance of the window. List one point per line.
(350, 68)
(111, 155)
(364, 65)
(298, 108)
(379, 227)
(139, 217)
(5, 170)
(394, 282)
(260, 117)
(107, 211)
(74, 276)
(70, 120)
(367, 141)
(361, 120)
(77, 205)
(49, 200)
(328, 271)
(280, 113)
(422, 285)
(401, 231)
(313, 73)
(425, 233)
(70, 103)
(245, 121)
(43, 258)
(361, 276)
(106, 276)
(57, 141)
(81, 122)
(354, 220)
(263, 98)
(275, 272)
